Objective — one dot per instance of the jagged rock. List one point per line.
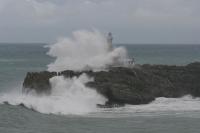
(38, 81)
(138, 85)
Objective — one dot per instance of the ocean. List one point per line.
(166, 115)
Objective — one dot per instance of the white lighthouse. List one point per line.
(117, 61)
(109, 41)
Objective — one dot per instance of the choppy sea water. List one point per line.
(163, 115)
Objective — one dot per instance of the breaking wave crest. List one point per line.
(69, 96)
(80, 105)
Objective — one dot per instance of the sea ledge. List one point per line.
(120, 85)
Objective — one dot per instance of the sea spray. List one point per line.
(84, 49)
(69, 96)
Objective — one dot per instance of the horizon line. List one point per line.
(43, 43)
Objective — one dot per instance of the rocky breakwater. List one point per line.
(138, 85)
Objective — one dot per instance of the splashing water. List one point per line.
(162, 104)
(69, 96)
(85, 48)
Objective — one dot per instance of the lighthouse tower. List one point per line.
(109, 41)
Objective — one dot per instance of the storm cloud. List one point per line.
(131, 21)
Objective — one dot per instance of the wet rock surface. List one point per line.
(138, 85)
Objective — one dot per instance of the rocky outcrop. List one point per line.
(138, 85)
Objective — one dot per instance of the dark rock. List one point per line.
(138, 85)
(38, 81)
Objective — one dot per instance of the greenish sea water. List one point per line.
(162, 116)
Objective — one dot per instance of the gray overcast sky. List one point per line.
(131, 21)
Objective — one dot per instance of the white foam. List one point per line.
(84, 49)
(186, 103)
(69, 96)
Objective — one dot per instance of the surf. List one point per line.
(69, 96)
